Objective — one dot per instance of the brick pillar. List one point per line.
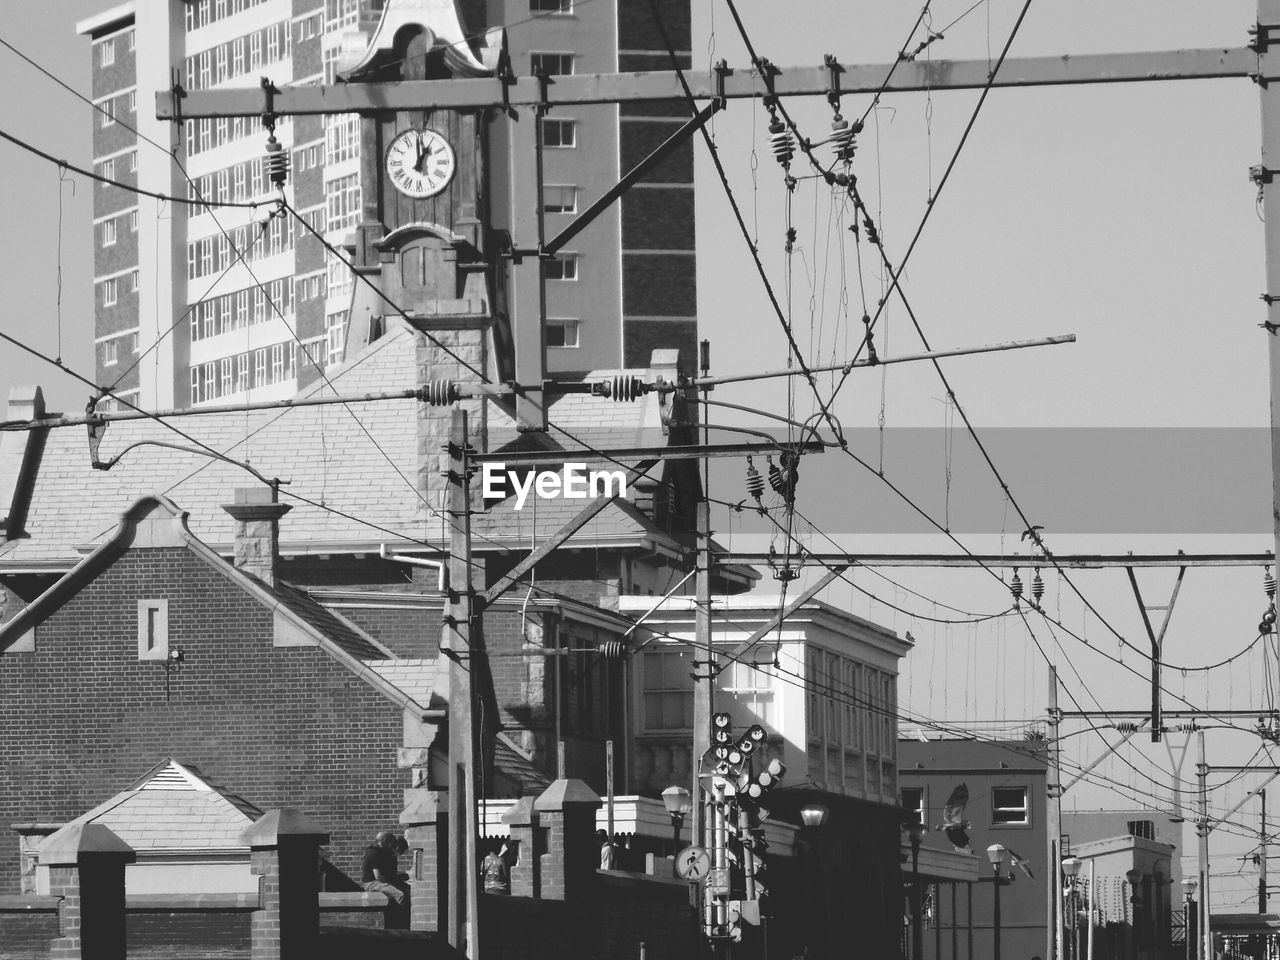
(426, 822)
(567, 809)
(525, 876)
(284, 851)
(257, 545)
(86, 869)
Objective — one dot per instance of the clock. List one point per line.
(420, 163)
(693, 864)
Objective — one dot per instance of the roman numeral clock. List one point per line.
(420, 163)
(421, 235)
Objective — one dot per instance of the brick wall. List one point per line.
(81, 717)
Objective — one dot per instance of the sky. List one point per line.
(1121, 214)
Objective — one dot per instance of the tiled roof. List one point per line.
(519, 768)
(415, 677)
(341, 631)
(173, 808)
(359, 461)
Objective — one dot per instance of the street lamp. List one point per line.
(996, 853)
(678, 803)
(1134, 877)
(1071, 869)
(813, 814)
(916, 832)
(1188, 917)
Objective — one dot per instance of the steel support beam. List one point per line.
(1096, 561)
(915, 76)
(1268, 41)
(781, 616)
(690, 452)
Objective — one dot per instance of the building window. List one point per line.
(133, 221)
(558, 198)
(913, 800)
(562, 333)
(107, 52)
(195, 385)
(133, 161)
(133, 281)
(260, 366)
(343, 197)
(153, 629)
(226, 376)
(559, 132)
(750, 688)
(109, 168)
(335, 330)
(131, 41)
(342, 138)
(551, 6)
(109, 233)
(110, 354)
(1009, 805)
(552, 64)
(109, 293)
(131, 101)
(242, 373)
(563, 266)
(668, 690)
(1142, 829)
(107, 109)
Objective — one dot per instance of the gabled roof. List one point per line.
(357, 464)
(172, 807)
(155, 521)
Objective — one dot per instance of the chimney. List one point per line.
(257, 513)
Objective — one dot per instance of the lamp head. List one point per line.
(996, 854)
(677, 801)
(1071, 866)
(813, 814)
(1189, 887)
(916, 832)
(1134, 877)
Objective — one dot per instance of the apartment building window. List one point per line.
(551, 6)
(338, 280)
(208, 317)
(106, 52)
(133, 161)
(852, 718)
(563, 266)
(237, 56)
(559, 132)
(131, 41)
(109, 293)
(290, 361)
(107, 109)
(559, 198)
(219, 9)
(751, 688)
(342, 138)
(195, 382)
(134, 281)
(335, 335)
(209, 379)
(109, 353)
(131, 101)
(255, 50)
(913, 799)
(226, 376)
(552, 64)
(273, 44)
(204, 68)
(206, 134)
(343, 202)
(109, 233)
(277, 362)
(260, 366)
(109, 168)
(562, 333)
(242, 309)
(1009, 805)
(668, 690)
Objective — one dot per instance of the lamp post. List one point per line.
(1071, 869)
(1134, 877)
(916, 833)
(1188, 915)
(996, 853)
(678, 803)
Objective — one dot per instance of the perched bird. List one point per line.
(954, 825)
(1017, 860)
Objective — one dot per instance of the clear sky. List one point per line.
(1121, 214)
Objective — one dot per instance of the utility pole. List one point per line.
(1262, 855)
(461, 643)
(1202, 837)
(704, 671)
(1053, 821)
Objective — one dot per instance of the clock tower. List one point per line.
(423, 242)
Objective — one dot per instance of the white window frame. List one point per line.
(135, 280)
(562, 266)
(543, 58)
(153, 630)
(109, 292)
(110, 353)
(109, 231)
(107, 52)
(1010, 814)
(566, 198)
(562, 124)
(572, 333)
(107, 110)
(552, 8)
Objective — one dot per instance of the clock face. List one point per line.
(420, 163)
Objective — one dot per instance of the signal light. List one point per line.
(753, 738)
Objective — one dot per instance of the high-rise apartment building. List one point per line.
(197, 305)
